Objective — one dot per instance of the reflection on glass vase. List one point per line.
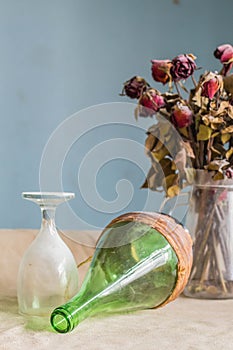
(48, 273)
(210, 223)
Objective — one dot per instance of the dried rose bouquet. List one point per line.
(193, 135)
(204, 120)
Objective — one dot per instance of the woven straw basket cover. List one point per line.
(176, 235)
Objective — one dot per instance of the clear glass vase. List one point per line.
(48, 273)
(210, 223)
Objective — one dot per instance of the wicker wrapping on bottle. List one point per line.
(176, 235)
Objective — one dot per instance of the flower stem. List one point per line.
(195, 150)
(194, 81)
(177, 89)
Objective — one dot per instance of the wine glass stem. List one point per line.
(48, 218)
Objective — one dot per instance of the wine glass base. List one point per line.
(49, 198)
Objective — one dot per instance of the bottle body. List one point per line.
(134, 267)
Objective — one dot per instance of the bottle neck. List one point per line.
(68, 316)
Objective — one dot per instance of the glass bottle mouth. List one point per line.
(61, 321)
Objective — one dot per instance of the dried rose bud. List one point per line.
(183, 67)
(211, 84)
(225, 54)
(181, 116)
(218, 53)
(209, 88)
(161, 70)
(134, 87)
(229, 173)
(150, 102)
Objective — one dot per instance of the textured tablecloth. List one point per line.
(183, 324)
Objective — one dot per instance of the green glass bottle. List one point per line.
(142, 260)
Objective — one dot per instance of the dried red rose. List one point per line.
(161, 70)
(219, 51)
(211, 84)
(150, 102)
(209, 88)
(183, 67)
(181, 116)
(225, 54)
(134, 87)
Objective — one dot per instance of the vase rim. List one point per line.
(204, 178)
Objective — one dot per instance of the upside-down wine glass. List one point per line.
(48, 273)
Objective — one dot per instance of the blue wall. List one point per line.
(60, 56)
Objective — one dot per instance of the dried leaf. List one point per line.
(180, 160)
(165, 131)
(154, 130)
(228, 84)
(219, 149)
(153, 179)
(214, 122)
(160, 154)
(188, 149)
(158, 146)
(218, 176)
(163, 126)
(206, 120)
(204, 133)
(225, 138)
(217, 120)
(217, 165)
(170, 181)
(150, 142)
(190, 175)
(173, 166)
(223, 108)
(229, 153)
(227, 130)
(215, 134)
(184, 132)
(167, 166)
(230, 111)
(231, 161)
(145, 184)
(171, 100)
(196, 99)
(173, 191)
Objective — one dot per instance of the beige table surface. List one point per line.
(183, 324)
